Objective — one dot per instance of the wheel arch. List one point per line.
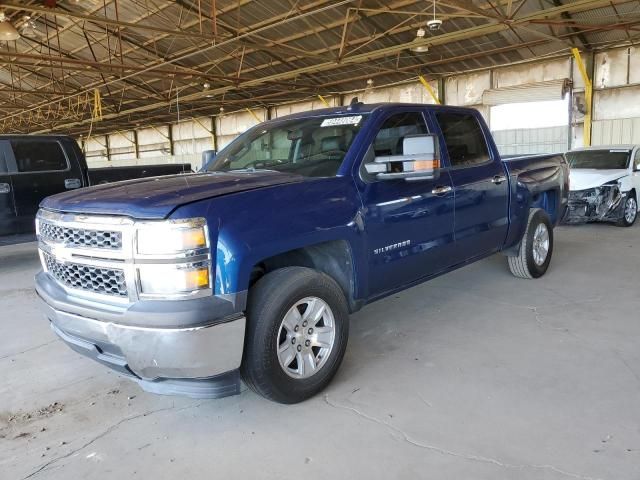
(530, 199)
(547, 200)
(334, 258)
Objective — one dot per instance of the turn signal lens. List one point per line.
(426, 165)
(172, 280)
(198, 278)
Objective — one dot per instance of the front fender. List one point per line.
(248, 227)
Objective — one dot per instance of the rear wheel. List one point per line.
(297, 330)
(536, 247)
(629, 211)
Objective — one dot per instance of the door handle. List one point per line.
(5, 188)
(498, 179)
(441, 190)
(71, 183)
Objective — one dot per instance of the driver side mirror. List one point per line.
(420, 160)
(208, 156)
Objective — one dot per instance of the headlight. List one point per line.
(171, 237)
(178, 279)
(173, 258)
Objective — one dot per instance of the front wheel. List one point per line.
(297, 330)
(536, 247)
(629, 212)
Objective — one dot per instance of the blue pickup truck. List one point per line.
(250, 268)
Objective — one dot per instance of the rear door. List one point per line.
(39, 168)
(480, 183)
(7, 207)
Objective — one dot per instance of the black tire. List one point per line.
(269, 301)
(524, 265)
(623, 222)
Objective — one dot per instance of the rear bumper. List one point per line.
(197, 360)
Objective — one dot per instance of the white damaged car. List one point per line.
(605, 182)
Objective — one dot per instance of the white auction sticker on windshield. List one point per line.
(333, 122)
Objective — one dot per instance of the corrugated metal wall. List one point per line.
(616, 132)
(616, 112)
(616, 103)
(532, 140)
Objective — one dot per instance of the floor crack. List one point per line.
(28, 349)
(475, 458)
(626, 364)
(107, 431)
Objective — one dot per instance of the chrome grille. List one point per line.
(107, 281)
(80, 237)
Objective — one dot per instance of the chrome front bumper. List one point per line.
(155, 353)
(189, 357)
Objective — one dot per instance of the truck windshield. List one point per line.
(599, 159)
(312, 147)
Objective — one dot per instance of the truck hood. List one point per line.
(157, 197)
(584, 178)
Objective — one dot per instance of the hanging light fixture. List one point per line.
(29, 27)
(7, 31)
(418, 43)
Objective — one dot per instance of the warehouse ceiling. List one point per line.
(84, 66)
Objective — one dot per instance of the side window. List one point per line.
(394, 129)
(38, 155)
(3, 162)
(463, 138)
(390, 138)
(636, 162)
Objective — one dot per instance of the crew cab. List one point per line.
(251, 267)
(605, 182)
(33, 167)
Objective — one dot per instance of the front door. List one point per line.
(635, 174)
(40, 169)
(480, 183)
(409, 224)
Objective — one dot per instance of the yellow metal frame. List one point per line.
(324, 102)
(97, 105)
(159, 132)
(588, 95)
(429, 89)
(209, 130)
(254, 115)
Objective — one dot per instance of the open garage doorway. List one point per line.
(531, 127)
(530, 119)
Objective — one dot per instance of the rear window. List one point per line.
(599, 159)
(3, 162)
(38, 155)
(464, 139)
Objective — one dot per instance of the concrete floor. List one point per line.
(475, 375)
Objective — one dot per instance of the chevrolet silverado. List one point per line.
(250, 269)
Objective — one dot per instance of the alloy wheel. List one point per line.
(540, 244)
(306, 337)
